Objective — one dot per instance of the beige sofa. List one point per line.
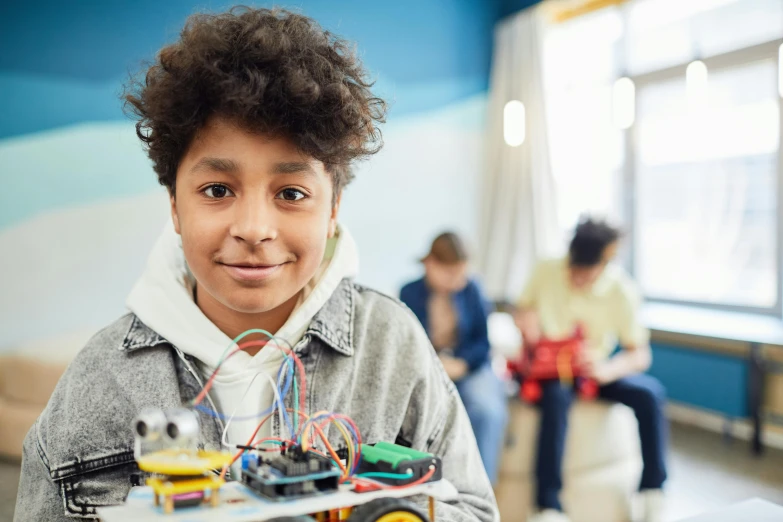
(28, 375)
(602, 462)
(601, 468)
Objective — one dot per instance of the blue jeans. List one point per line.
(484, 397)
(642, 393)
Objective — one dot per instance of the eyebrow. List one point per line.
(229, 166)
(216, 165)
(293, 167)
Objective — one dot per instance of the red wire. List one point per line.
(208, 384)
(358, 435)
(262, 343)
(278, 439)
(253, 442)
(330, 448)
(302, 376)
(249, 442)
(331, 418)
(422, 480)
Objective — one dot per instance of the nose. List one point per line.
(253, 221)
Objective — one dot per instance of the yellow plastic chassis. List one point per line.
(178, 462)
(165, 489)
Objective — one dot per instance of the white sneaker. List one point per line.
(549, 515)
(652, 505)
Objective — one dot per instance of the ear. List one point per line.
(333, 218)
(174, 216)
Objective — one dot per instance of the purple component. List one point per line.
(188, 496)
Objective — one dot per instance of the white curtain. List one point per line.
(518, 212)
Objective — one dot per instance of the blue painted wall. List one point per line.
(710, 381)
(68, 60)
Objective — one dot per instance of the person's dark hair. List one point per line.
(589, 242)
(271, 71)
(448, 248)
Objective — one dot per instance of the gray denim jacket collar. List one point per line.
(332, 324)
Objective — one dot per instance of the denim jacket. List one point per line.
(472, 311)
(364, 355)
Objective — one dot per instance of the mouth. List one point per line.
(248, 271)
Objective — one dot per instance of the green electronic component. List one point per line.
(392, 453)
(388, 458)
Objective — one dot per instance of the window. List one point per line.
(665, 33)
(703, 160)
(586, 148)
(706, 172)
(694, 176)
(582, 59)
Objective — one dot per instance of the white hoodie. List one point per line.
(163, 299)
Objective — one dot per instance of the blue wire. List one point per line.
(350, 429)
(222, 416)
(290, 375)
(287, 383)
(284, 392)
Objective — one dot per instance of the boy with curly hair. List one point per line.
(253, 120)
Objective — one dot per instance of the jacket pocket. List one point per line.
(100, 483)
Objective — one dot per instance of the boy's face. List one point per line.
(446, 277)
(584, 277)
(254, 215)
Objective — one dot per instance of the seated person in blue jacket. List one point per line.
(586, 288)
(454, 313)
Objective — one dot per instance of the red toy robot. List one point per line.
(552, 359)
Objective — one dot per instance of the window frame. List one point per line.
(763, 51)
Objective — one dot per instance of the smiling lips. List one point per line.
(251, 271)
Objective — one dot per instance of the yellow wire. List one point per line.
(343, 431)
(291, 410)
(348, 443)
(306, 439)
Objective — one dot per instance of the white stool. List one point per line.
(601, 466)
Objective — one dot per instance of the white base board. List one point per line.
(240, 504)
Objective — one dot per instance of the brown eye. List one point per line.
(217, 191)
(291, 194)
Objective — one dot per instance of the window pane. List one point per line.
(739, 24)
(706, 167)
(586, 148)
(664, 33)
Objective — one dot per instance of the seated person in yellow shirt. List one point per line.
(586, 288)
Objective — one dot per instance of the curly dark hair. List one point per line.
(270, 70)
(591, 238)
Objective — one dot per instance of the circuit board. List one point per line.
(292, 474)
(239, 504)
